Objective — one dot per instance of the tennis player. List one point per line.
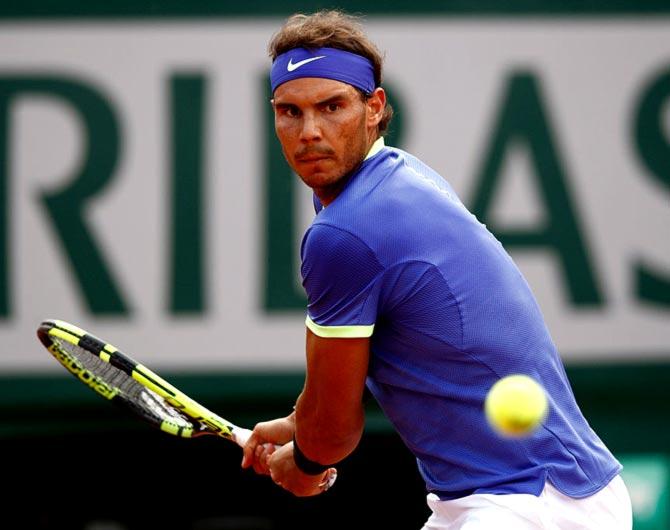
(410, 295)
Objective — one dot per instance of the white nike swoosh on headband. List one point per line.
(294, 66)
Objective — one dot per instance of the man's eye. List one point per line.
(332, 107)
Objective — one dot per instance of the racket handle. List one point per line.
(241, 436)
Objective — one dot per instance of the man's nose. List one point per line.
(311, 129)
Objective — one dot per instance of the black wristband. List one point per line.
(304, 464)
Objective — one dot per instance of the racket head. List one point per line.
(120, 379)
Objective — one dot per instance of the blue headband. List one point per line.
(329, 63)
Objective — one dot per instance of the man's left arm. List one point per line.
(329, 415)
(329, 412)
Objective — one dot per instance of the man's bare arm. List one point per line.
(329, 412)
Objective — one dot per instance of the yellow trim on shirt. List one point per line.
(376, 147)
(339, 332)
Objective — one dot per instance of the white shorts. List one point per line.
(608, 509)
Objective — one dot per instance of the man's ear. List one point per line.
(375, 103)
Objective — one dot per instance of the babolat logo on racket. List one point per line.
(84, 375)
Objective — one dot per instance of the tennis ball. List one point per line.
(515, 406)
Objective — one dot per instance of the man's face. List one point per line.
(324, 129)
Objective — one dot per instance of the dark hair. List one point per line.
(332, 29)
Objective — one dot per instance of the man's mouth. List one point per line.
(312, 158)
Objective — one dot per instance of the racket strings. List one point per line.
(133, 395)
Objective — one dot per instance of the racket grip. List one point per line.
(241, 436)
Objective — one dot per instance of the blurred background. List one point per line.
(144, 197)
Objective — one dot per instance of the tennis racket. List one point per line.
(122, 380)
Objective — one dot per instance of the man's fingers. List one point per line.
(260, 457)
(260, 461)
(248, 451)
(246, 457)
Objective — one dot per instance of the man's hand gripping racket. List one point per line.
(122, 380)
(270, 452)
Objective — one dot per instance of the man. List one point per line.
(410, 295)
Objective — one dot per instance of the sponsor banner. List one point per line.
(143, 196)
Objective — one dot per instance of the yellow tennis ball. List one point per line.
(515, 406)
